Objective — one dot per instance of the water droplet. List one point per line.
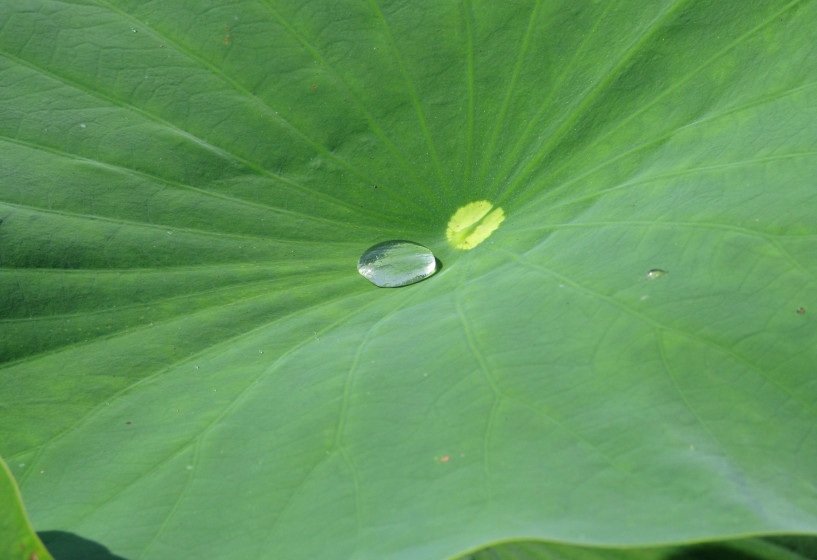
(656, 273)
(82, 125)
(134, 30)
(392, 264)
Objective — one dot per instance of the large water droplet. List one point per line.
(392, 264)
(656, 273)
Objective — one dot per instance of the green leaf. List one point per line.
(192, 364)
(17, 538)
(742, 549)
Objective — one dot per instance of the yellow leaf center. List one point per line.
(472, 224)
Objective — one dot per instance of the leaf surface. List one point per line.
(192, 363)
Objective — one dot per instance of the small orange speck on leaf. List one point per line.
(445, 458)
(314, 86)
(801, 310)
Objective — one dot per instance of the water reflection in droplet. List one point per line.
(656, 273)
(392, 264)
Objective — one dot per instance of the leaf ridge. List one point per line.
(739, 476)
(354, 95)
(516, 149)
(498, 394)
(592, 95)
(468, 17)
(545, 196)
(92, 413)
(122, 170)
(177, 500)
(221, 152)
(656, 324)
(261, 104)
(503, 111)
(415, 99)
(655, 100)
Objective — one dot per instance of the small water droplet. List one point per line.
(392, 264)
(82, 125)
(656, 273)
(134, 30)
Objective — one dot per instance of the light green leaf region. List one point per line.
(17, 539)
(192, 366)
